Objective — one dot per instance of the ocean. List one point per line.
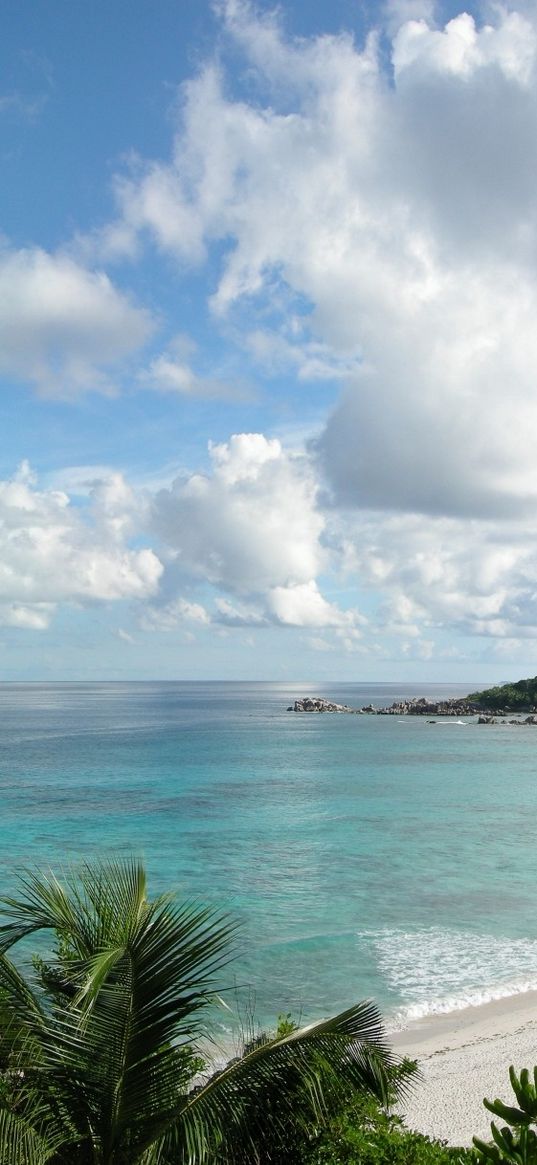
(378, 857)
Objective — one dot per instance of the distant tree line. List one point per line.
(518, 697)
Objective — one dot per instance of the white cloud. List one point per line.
(79, 480)
(251, 533)
(429, 424)
(461, 49)
(238, 614)
(63, 328)
(398, 12)
(402, 210)
(22, 106)
(249, 525)
(276, 352)
(125, 636)
(317, 643)
(477, 578)
(52, 553)
(251, 528)
(166, 616)
(303, 605)
(168, 374)
(383, 227)
(34, 617)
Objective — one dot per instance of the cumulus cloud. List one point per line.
(396, 204)
(249, 524)
(252, 529)
(443, 421)
(398, 12)
(436, 574)
(51, 552)
(303, 605)
(63, 327)
(367, 222)
(462, 50)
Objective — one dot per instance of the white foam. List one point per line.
(400, 1019)
(435, 970)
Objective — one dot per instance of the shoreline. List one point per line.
(464, 1056)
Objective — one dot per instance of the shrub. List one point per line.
(364, 1134)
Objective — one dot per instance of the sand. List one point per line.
(464, 1056)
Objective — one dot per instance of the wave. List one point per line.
(434, 970)
(400, 1019)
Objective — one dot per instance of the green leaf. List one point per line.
(98, 1067)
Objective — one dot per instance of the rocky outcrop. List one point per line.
(520, 723)
(318, 704)
(414, 707)
(424, 707)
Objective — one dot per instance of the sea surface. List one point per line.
(380, 857)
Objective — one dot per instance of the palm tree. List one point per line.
(98, 1047)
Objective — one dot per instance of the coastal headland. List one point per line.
(476, 705)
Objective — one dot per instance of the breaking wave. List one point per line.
(434, 970)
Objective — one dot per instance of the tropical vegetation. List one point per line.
(516, 697)
(516, 1142)
(100, 1043)
(365, 1133)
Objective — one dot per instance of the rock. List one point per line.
(414, 707)
(319, 704)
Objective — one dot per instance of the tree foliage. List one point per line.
(364, 1133)
(99, 1044)
(516, 697)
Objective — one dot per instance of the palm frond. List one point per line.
(21, 1019)
(15, 989)
(144, 972)
(23, 1142)
(139, 1004)
(44, 904)
(300, 1079)
(103, 1068)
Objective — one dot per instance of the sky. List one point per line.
(268, 340)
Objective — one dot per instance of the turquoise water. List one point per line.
(364, 856)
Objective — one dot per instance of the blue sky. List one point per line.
(268, 289)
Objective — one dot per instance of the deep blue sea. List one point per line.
(364, 856)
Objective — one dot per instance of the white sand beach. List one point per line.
(464, 1056)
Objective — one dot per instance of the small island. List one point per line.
(504, 700)
(318, 704)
